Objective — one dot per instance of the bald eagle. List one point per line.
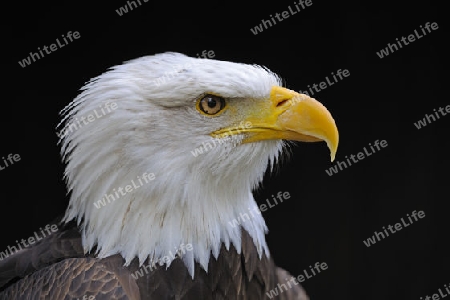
(149, 217)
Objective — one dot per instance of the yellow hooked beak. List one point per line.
(287, 115)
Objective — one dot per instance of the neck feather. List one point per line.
(136, 212)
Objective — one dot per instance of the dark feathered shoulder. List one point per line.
(56, 268)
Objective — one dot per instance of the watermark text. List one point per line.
(34, 56)
(122, 191)
(391, 48)
(298, 6)
(393, 229)
(438, 296)
(243, 217)
(341, 165)
(76, 124)
(432, 117)
(25, 243)
(315, 88)
(282, 287)
(146, 269)
(10, 160)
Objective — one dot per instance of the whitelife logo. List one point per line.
(225, 137)
(281, 287)
(258, 209)
(131, 5)
(165, 259)
(122, 191)
(411, 38)
(398, 226)
(298, 6)
(356, 158)
(439, 296)
(34, 56)
(31, 240)
(177, 69)
(76, 124)
(432, 118)
(9, 161)
(341, 74)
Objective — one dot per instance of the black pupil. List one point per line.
(212, 102)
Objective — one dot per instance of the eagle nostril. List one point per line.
(281, 102)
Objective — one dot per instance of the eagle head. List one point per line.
(165, 150)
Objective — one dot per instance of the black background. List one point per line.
(327, 217)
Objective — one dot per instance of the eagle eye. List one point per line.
(211, 104)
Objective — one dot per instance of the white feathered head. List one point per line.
(165, 150)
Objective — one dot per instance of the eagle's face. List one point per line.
(207, 129)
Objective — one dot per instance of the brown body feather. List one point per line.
(56, 268)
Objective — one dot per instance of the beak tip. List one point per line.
(333, 155)
(333, 144)
(333, 149)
